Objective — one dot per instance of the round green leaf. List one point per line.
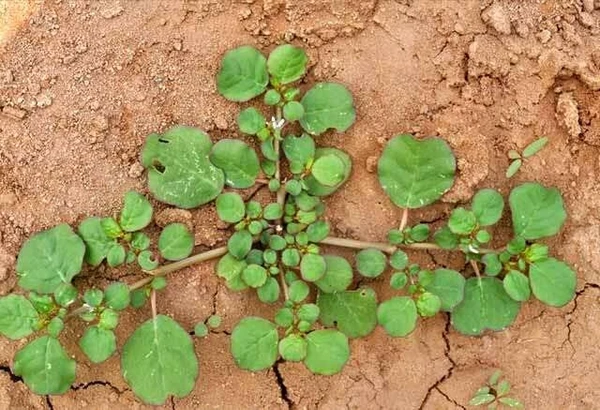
(398, 316)
(179, 170)
(309, 312)
(138, 298)
(327, 105)
(238, 161)
(272, 97)
(230, 207)
(328, 170)
(298, 290)
(287, 63)
(449, 286)
(398, 280)
(254, 276)
(158, 360)
(415, 173)
(485, 306)
(399, 260)
(487, 206)
(18, 317)
(229, 267)
(338, 275)
(312, 267)
(370, 262)
(239, 244)
(462, 221)
(428, 304)
(136, 213)
(419, 233)
(117, 296)
(317, 231)
(147, 261)
(314, 187)
(552, 282)
(55, 326)
(175, 242)
(254, 343)
(45, 366)
(290, 257)
(537, 211)
(517, 286)
(140, 241)
(273, 211)
(93, 297)
(269, 292)
(116, 255)
(65, 295)
(214, 321)
(200, 330)
(493, 266)
(243, 74)
(98, 344)
(109, 319)
(293, 111)
(327, 351)
(299, 150)
(445, 238)
(353, 312)
(293, 348)
(251, 121)
(97, 243)
(50, 258)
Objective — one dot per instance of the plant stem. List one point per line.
(387, 248)
(284, 285)
(475, 268)
(404, 219)
(277, 146)
(153, 303)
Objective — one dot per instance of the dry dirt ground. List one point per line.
(82, 82)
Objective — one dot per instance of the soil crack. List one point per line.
(282, 387)
(13, 377)
(570, 321)
(440, 391)
(84, 386)
(49, 403)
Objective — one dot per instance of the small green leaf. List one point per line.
(428, 304)
(138, 298)
(312, 267)
(293, 111)
(552, 282)
(158, 360)
(309, 312)
(398, 316)
(535, 147)
(510, 402)
(299, 150)
(111, 228)
(117, 296)
(287, 63)
(327, 351)
(238, 161)
(327, 105)
(179, 170)
(97, 243)
(175, 242)
(116, 255)
(136, 213)
(109, 319)
(98, 344)
(272, 97)
(493, 266)
(254, 344)
(445, 238)
(214, 321)
(494, 378)
(50, 258)
(485, 306)
(45, 366)
(513, 154)
(55, 327)
(93, 297)
(251, 121)
(328, 170)
(273, 211)
(290, 257)
(299, 290)
(399, 260)
(537, 211)
(503, 388)
(201, 330)
(338, 275)
(398, 280)
(239, 244)
(513, 168)
(415, 173)
(353, 312)
(284, 317)
(140, 241)
(482, 399)
(65, 295)
(517, 286)
(370, 262)
(254, 276)
(269, 292)
(419, 233)
(243, 74)
(147, 261)
(293, 348)
(230, 207)
(462, 221)
(314, 187)
(159, 283)
(487, 206)
(317, 231)
(229, 267)
(18, 317)
(449, 286)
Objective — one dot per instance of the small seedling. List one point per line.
(529, 151)
(276, 248)
(494, 394)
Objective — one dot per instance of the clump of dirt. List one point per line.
(83, 83)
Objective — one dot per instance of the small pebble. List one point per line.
(112, 12)
(544, 36)
(136, 170)
(220, 122)
(371, 164)
(43, 101)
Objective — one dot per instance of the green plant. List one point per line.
(518, 158)
(277, 249)
(494, 394)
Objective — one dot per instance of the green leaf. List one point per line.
(251, 121)
(309, 312)
(147, 261)
(97, 243)
(312, 267)
(273, 211)
(238, 161)
(230, 207)
(445, 238)
(449, 286)
(214, 321)
(116, 255)
(111, 228)
(327, 351)
(398, 280)
(493, 266)
(535, 147)
(136, 213)
(513, 154)
(317, 231)
(299, 290)
(55, 326)
(552, 282)
(200, 330)
(419, 233)
(93, 297)
(243, 74)
(485, 306)
(299, 150)
(159, 283)
(327, 105)
(175, 242)
(65, 295)
(494, 378)
(354, 312)
(503, 388)
(239, 244)
(293, 348)
(269, 292)
(117, 296)
(428, 304)
(513, 168)
(510, 402)
(328, 170)
(254, 344)
(272, 97)
(140, 241)
(45, 366)
(487, 206)
(158, 360)
(482, 399)
(293, 111)
(338, 275)
(370, 262)
(284, 317)
(98, 344)
(462, 221)
(415, 173)
(399, 260)
(18, 317)
(398, 316)
(516, 286)
(179, 170)
(229, 267)
(287, 63)
(314, 187)
(109, 319)
(537, 211)
(254, 276)
(50, 258)
(138, 298)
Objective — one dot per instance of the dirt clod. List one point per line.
(567, 113)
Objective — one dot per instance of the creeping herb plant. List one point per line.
(494, 394)
(278, 249)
